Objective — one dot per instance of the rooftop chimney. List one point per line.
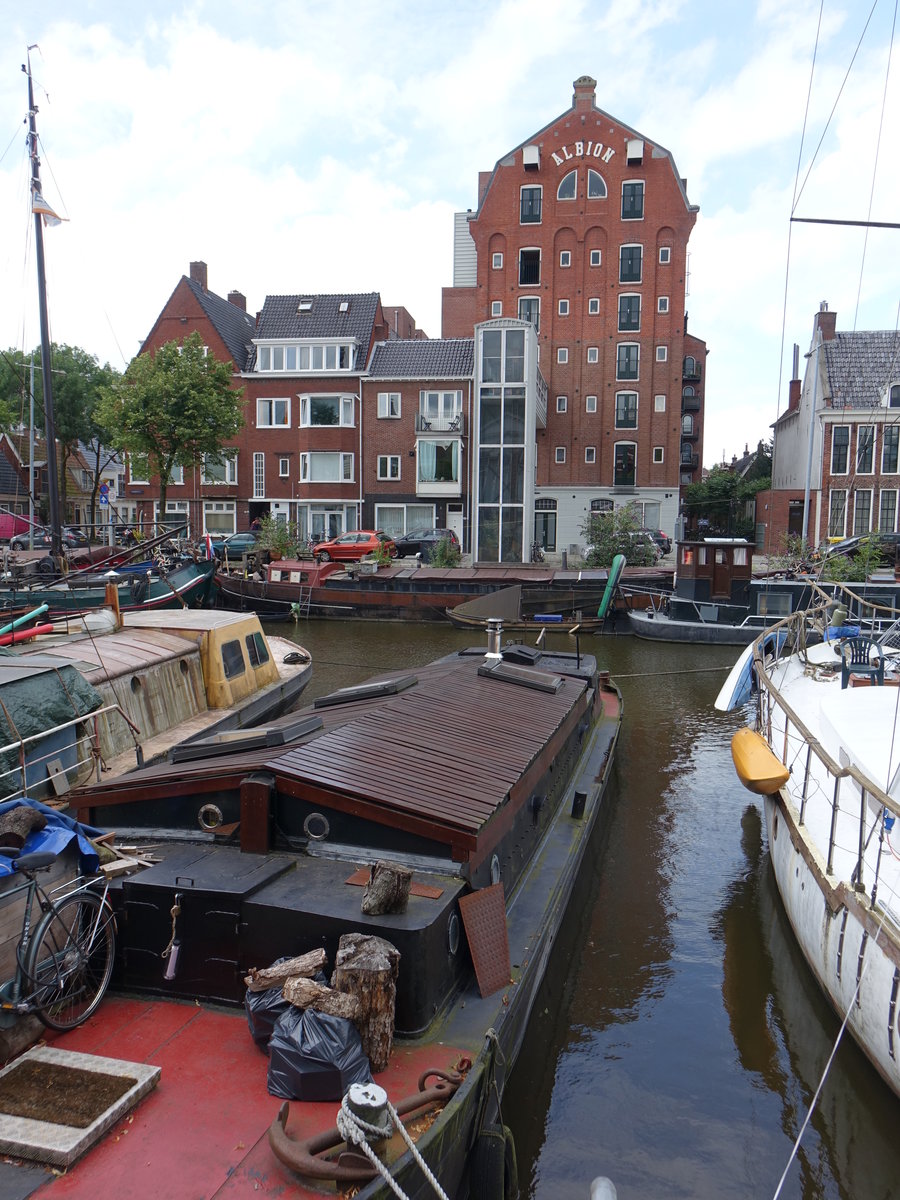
(238, 299)
(826, 321)
(198, 274)
(585, 92)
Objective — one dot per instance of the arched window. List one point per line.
(894, 396)
(568, 186)
(596, 185)
(687, 425)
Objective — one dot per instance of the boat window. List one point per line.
(257, 650)
(233, 659)
(740, 556)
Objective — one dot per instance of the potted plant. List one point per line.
(279, 538)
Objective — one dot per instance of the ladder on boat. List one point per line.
(300, 607)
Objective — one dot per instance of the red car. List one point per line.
(351, 547)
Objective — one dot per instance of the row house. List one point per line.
(581, 233)
(417, 420)
(836, 455)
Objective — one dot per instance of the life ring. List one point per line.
(494, 1173)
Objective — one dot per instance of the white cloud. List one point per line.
(326, 147)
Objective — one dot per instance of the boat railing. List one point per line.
(19, 779)
(791, 634)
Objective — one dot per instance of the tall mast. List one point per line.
(46, 376)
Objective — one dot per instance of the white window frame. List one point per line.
(662, 304)
(563, 308)
(593, 354)
(389, 406)
(631, 246)
(259, 475)
(590, 454)
(345, 468)
(496, 308)
(532, 187)
(228, 467)
(873, 449)
(846, 469)
(266, 411)
(562, 354)
(565, 258)
(562, 404)
(284, 466)
(659, 454)
(388, 467)
(176, 475)
(662, 353)
(142, 462)
(497, 260)
(596, 258)
(345, 410)
(593, 306)
(665, 254)
(560, 455)
(628, 378)
(659, 404)
(590, 404)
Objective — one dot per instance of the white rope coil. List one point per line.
(353, 1128)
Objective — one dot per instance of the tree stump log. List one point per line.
(387, 890)
(306, 993)
(307, 964)
(16, 825)
(366, 967)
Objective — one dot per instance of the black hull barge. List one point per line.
(482, 774)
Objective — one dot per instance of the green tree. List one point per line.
(719, 504)
(610, 533)
(14, 373)
(78, 384)
(174, 407)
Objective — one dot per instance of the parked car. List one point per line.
(423, 541)
(351, 547)
(642, 538)
(235, 545)
(74, 538)
(39, 539)
(662, 539)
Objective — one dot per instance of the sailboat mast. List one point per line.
(46, 375)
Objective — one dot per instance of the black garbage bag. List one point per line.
(263, 1010)
(314, 1056)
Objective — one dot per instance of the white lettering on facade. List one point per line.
(582, 150)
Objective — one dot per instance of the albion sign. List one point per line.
(583, 150)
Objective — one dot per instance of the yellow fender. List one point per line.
(758, 768)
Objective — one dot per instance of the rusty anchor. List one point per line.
(308, 1156)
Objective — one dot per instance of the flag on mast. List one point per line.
(39, 205)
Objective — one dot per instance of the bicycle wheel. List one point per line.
(71, 960)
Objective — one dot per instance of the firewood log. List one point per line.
(366, 967)
(307, 964)
(306, 993)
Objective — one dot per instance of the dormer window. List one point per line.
(894, 396)
(306, 356)
(304, 306)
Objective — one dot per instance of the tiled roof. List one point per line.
(281, 316)
(438, 358)
(233, 325)
(861, 365)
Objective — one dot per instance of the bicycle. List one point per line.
(64, 964)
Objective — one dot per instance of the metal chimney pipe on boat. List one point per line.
(494, 633)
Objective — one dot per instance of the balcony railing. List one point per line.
(689, 462)
(444, 424)
(690, 435)
(691, 372)
(690, 403)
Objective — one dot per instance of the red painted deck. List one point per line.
(203, 1132)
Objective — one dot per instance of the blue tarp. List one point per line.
(59, 832)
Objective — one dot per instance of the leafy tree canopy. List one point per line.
(610, 533)
(174, 408)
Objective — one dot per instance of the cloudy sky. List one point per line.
(308, 145)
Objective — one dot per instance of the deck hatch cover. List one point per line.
(484, 917)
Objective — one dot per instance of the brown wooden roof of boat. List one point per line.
(444, 754)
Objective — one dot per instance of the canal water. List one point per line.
(679, 1037)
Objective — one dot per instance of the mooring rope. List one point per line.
(353, 1128)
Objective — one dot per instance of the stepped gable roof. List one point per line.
(233, 325)
(861, 365)
(321, 316)
(438, 358)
